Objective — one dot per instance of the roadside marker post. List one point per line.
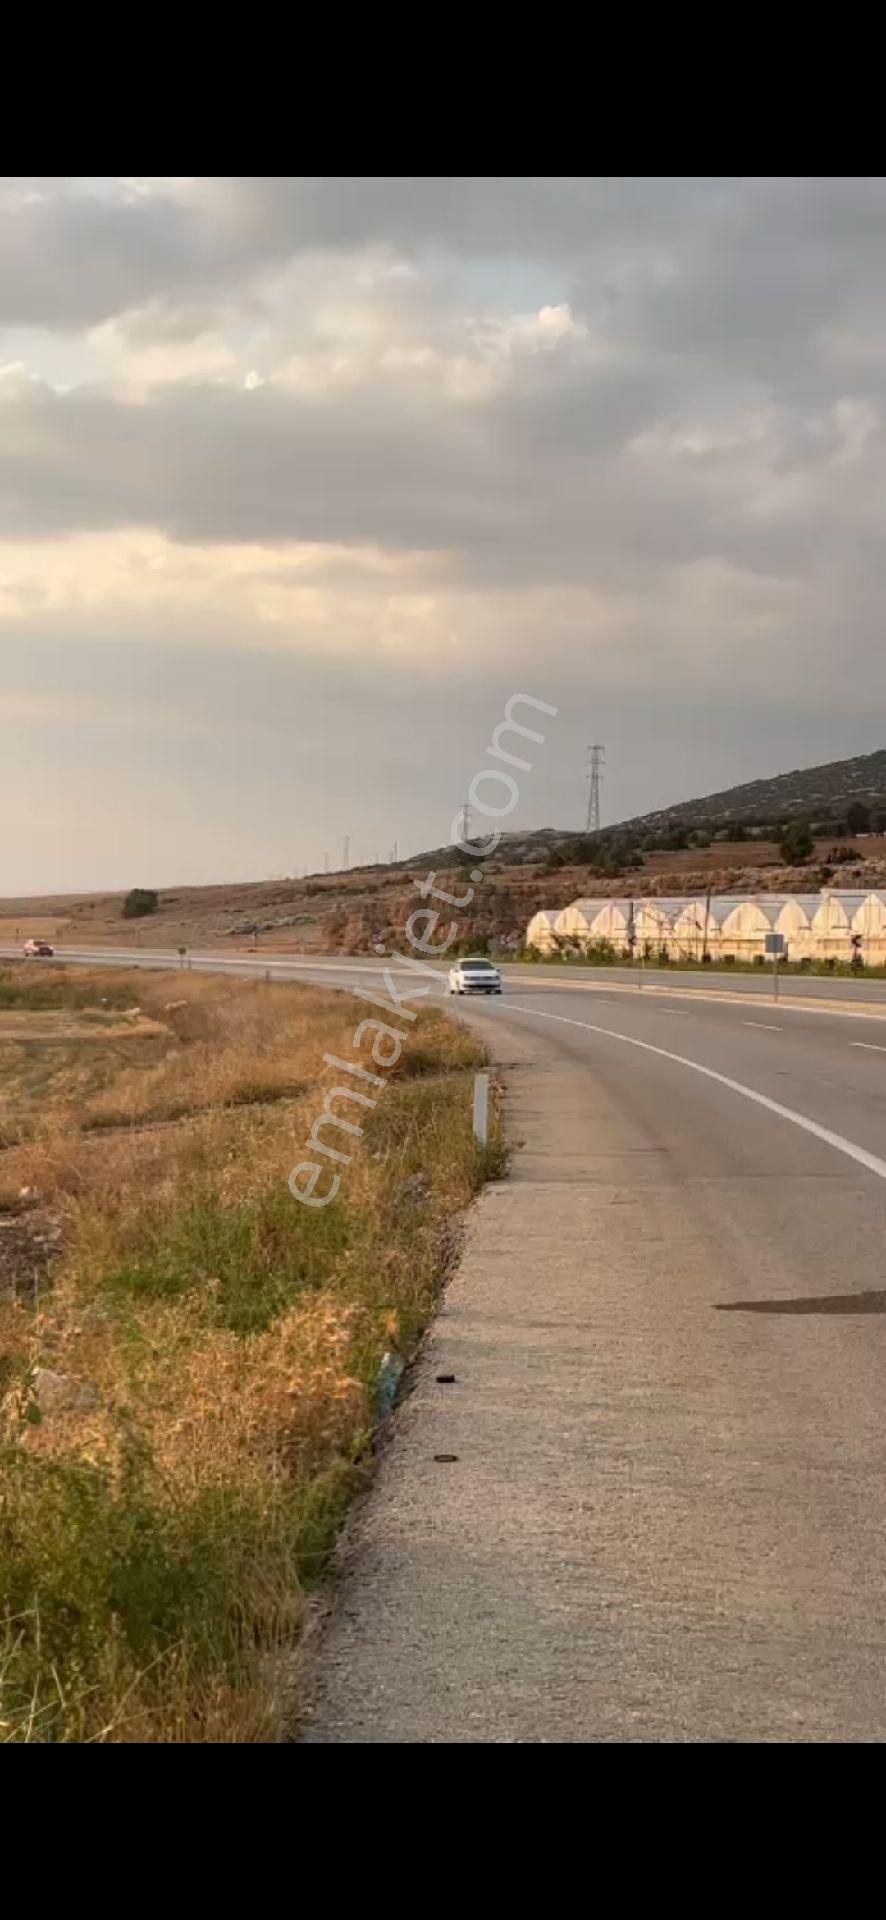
(775, 945)
(481, 1108)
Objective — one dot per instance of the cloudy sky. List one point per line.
(301, 479)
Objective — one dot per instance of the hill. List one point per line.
(818, 794)
(725, 842)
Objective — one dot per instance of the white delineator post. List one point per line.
(481, 1108)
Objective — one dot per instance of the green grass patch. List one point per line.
(255, 1259)
(604, 955)
(108, 1585)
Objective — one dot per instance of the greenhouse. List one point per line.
(655, 925)
(541, 933)
(576, 922)
(870, 921)
(834, 924)
(831, 925)
(796, 915)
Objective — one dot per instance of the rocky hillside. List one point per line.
(818, 794)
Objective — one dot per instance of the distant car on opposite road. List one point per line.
(38, 949)
(474, 976)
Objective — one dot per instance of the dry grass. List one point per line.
(186, 1406)
(29, 926)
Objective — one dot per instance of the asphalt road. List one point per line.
(650, 1506)
(648, 979)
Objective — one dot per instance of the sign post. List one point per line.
(775, 945)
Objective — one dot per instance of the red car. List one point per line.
(38, 949)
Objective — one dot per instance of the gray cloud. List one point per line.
(555, 482)
(71, 258)
(706, 303)
(668, 492)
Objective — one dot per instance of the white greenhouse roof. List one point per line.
(810, 902)
(849, 902)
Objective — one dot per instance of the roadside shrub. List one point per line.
(140, 901)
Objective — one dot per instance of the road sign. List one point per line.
(775, 947)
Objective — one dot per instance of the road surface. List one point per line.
(651, 1504)
(721, 980)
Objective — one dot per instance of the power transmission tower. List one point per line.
(464, 832)
(594, 777)
(346, 851)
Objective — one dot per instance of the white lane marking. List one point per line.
(870, 1160)
(766, 1028)
(867, 1046)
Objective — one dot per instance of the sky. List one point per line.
(302, 479)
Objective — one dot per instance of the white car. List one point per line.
(38, 949)
(474, 976)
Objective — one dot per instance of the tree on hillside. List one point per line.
(858, 817)
(578, 852)
(795, 845)
(139, 901)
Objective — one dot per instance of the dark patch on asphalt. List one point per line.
(874, 1301)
